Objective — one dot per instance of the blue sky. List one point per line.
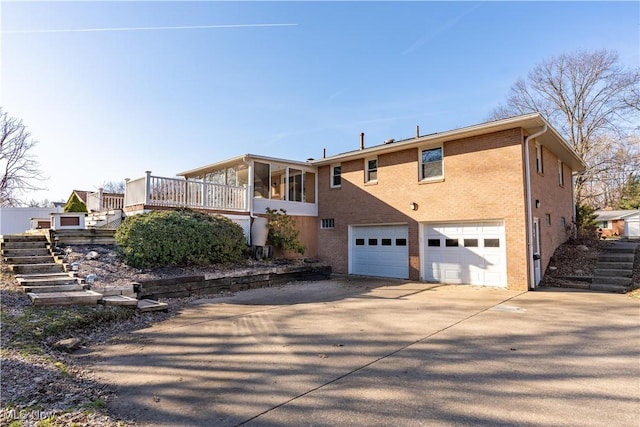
(112, 89)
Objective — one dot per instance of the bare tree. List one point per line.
(18, 167)
(116, 187)
(593, 102)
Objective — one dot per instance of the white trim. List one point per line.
(432, 178)
(366, 170)
(331, 169)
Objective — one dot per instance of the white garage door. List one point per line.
(472, 253)
(380, 250)
(632, 227)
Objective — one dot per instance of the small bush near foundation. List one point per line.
(179, 238)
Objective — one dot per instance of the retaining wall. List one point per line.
(201, 285)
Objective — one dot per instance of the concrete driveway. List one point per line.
(366, 352)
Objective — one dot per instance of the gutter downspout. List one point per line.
(527, 168)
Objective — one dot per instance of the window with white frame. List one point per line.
(560, 173)
(539, 165)
(327, 223)
(431, 164)
(336, 176)
(371, 170)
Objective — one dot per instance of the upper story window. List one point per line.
(431, 164)
(539, 165)
(371, 170)
(560, 173)
(336, 176)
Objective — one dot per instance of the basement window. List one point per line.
(327, 223)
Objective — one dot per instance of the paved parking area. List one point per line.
(365, 352)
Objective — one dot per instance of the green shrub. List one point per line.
(74, 204)
(283, 233)
(179, 238)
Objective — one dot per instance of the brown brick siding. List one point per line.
(555, 201)
(483, 179)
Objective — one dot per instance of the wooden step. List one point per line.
(34, 259)
(48, 281)
(119, 300)
(52, 288)
(65, 298)
(24, 245)
(36, 268)
(10, 238)
(7, 252)
(145, 305)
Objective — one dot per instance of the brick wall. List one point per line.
(556, 202)
(483, 180)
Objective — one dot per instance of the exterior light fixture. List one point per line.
(537, 203)
(413, 206)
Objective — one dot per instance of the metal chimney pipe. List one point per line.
(324, 153)
(417, 131)
(362, 140)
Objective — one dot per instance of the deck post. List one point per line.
(147, 190)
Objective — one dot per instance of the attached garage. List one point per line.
(465, 252)
(632, 225)
(379, 250)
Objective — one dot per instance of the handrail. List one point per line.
(174, 192)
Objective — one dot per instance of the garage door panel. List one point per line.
(380, 251)
(479, 257)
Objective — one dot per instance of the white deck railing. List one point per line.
(100, 202)
(173, 192)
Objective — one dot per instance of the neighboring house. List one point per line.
(486, 204)
(624, 223)
(99, 201)
(19, 220)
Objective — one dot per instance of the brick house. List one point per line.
(486, 204)
(623, 223)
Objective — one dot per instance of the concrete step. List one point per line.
(618, 249)
(622, 281)
(606, 272)
(619, 289)
(36, 268)
(9, 252)
(614, 265)
(35, 259)
(616, 257)
(65, 298)
(52, 288)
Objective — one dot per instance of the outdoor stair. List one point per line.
(47, 280)
(614, 268)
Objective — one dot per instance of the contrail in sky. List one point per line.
(186, 27)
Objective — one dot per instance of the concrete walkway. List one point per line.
(380, 353)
